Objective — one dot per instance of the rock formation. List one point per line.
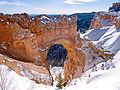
(115, 7)
(104, 19)
(27, 40)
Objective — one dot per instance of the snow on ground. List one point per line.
(105, 22)
(90, 80)
(100, 80)
(113, 44)
(94, 34)
(107, 38)
(107, 79)
(10, 80)
(116, 59)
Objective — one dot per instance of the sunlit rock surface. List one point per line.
(104, 19)
(28, 40)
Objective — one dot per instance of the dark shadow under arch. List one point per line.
(56, 55)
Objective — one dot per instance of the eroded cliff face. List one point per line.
(104, 19)
(28, 40)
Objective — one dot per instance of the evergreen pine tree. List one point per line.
(60, 81)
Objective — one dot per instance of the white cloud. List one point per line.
(78, 1)
(14, 3)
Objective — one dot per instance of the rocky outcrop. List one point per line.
(115, 7)
(29, 39)
(117, 23)
(37, 73)
(93, 54)
(96, 24)
(101, 53)
(104, 19)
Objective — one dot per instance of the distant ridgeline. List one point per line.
(115, 7)
(83, 21)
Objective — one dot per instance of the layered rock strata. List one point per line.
(28, 40)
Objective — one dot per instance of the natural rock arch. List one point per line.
(30, 43)
(75, 61)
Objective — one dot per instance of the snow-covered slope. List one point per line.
(10, 80)
(116, 59)
(97, 80)
(100, 80)
(107, 38)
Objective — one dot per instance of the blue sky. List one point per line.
(54, 6)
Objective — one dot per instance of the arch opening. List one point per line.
(56, 55)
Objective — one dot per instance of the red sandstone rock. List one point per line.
(104, 19)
